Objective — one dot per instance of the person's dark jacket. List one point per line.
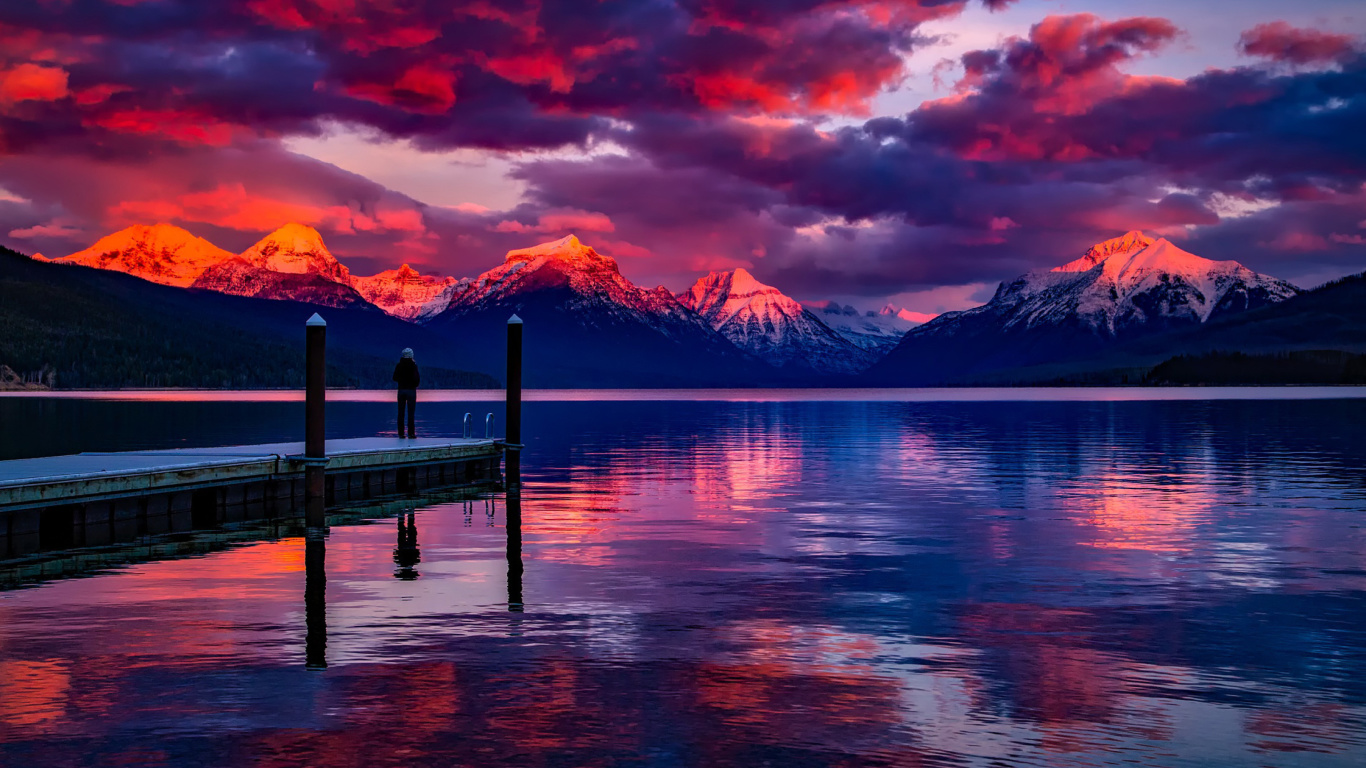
(405, 374)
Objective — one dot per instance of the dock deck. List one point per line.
(59, 501)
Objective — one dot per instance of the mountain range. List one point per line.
(762, 320)
(1118, 291)
(1124, 302)
(746, 321)
(292, 263)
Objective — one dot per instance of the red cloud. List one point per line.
(423, 88)
(1279, 41)
(183, 127)
(32, 82)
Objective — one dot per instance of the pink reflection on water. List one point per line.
(702, 588)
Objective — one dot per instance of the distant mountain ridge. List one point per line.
(878, 332)
(94, 328)
(1120, 289)
(292, 264)
(763, 321)
(728, 329)
(406, 293)
(161, 254)
(590, 326)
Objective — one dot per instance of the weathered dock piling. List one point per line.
(514, 405)
(315, 423)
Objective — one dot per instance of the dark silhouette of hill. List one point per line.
(1277, 368)
(100, 328)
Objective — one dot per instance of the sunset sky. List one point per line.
(917, 150)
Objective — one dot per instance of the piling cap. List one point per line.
(315, 320)
(514, 320)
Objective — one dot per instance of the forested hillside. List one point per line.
(98, 329)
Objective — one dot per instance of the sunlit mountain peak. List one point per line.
(1128, 242)
(567, 249)
(765, 322)
(296, 249)
(162, 253)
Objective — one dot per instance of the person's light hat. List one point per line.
(408, 352)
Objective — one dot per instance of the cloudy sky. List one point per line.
(912, 150)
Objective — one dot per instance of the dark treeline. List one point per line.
(1233, 368)
(88, 339)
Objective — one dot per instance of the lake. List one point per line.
(984, 578)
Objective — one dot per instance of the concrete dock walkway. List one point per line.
(62, 479)
(96, 498)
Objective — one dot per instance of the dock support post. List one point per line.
(315, 430)
(514, 405)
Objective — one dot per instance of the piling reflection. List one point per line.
(513, 524)
(315, 598)
(406, 553)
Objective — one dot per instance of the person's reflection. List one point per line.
(315, 598)
(406, 554)
(514, 551)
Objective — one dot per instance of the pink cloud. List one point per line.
(1279, 41)
(561, 220)
(1298, 242)
(54, 229)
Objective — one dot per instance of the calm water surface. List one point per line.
(739, 583)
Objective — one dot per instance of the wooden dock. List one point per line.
(93, 499)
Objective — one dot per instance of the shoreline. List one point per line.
(1126, 393)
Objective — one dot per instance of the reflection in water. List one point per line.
(514, 550)
(406, 554)
(315, 598)
(822, 584)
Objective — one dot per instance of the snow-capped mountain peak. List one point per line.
(720, 296)
(573, 277)
(1127, 243)
(407, 293)
(877, 332)
(162, 253)
(567, 249)
(1128, 284)
(297, 249)
(762, 320)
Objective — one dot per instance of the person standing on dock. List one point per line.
(407, 378)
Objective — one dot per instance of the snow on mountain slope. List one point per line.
(1130, 283)
(163, 254)
(761, 320)
(292, 263)
(593, 282)
(406, 293)
(297, 249)
(1119, 289)
(588, 326)
(240, 277)
(877, 331)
